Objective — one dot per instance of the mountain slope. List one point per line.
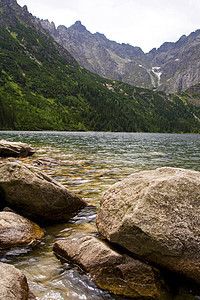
(173, 67)
(42, 87)
(179, 62)
(99, 55)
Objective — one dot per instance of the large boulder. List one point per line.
(111, 270)
(35, 195)
(155, 214)
(13, 284)
(15, 149)
(16, 230)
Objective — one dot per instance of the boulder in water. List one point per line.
(15, 149)
(16, 230)
(13, 284)
(155, 214)
(119, 273)
(35, 195)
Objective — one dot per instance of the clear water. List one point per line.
(88, 163)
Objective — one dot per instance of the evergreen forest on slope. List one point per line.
(42, 87)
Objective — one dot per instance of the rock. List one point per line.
(155, 214)
(118, 273)
(13, 284)
(16, 230)
(35, 195)
(15, 149)
(8, 209)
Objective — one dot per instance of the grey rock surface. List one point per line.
(36, 195)
(13, 284)
(15, 149)
(119, 273)
(155, 214)
(16, 230)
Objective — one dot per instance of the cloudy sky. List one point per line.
(143, 23)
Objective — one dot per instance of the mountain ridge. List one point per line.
(42, 87)
(173, 67)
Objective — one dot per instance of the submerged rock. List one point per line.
(13, 284)
(118, 273)
(15, 149)
(155, 214)
(16, 230)
(35, 195)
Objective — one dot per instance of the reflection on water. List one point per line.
(88, 163)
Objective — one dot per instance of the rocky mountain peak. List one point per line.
(78, 26)
(169, 68)
(25, 8)
(50, 26)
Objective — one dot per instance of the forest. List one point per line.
(42, 87)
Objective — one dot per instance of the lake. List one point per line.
(88, 163)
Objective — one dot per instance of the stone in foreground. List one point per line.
(15, 149)
(118, 273)
(13, 284)
(155, 214)
(16, 230)
(35, 195)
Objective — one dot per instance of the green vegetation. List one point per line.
(13, 34)
(43, 88)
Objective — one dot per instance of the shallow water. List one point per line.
(88, 163)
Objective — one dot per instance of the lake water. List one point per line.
(88, 163)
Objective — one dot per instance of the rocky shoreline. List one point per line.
(147, 224)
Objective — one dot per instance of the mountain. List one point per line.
(179, 63)
(104, 57)
(42, 87)
(173, 67)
